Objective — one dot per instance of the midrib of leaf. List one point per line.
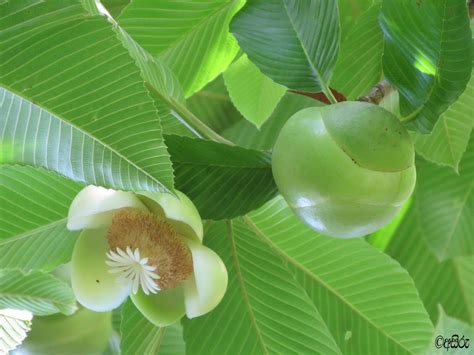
(456, 221)
(315, 70)
(295, 263)
(114, 151)
(465, 296)
(32, 231)
(245, 297)
(449, 138)
(160, 336)
(206, 19)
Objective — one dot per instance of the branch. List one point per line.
(378, 92)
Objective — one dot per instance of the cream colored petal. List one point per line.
(93, 285)
(162, 308)
(180, 212)
(93, 207)
(207, 286)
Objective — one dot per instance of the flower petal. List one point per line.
(179, 211)
(94, 286)
(162, 308)
(207, 286)
(93, 207)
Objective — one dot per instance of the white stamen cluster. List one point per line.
(133, 269)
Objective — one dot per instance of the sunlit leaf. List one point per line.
(253, 94)
(175, 33)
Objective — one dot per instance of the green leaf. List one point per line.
(299, 44)
(368, 302)
(349, 13)
(84, 332)
(139, 336)
(33, 209)
(247, 135)
(253, 94)
(190, 37)
(359, 66)
(213, 106)
(446, 328)
(446, 144)
(430, 43)
(264, 310)
(82, 107)
(41, 294)
(14, 325)
(449, 283)
(446, 204)
(223, 181)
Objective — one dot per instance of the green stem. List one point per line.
(327, 91)
(191, 119)
(411, 116)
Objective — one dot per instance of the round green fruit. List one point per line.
(344, 169)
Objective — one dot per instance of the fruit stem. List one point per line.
(378, 92)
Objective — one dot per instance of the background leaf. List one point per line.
(447, 327)
(223, 181)
(33, 209)
(139, 336)
(115, 7)
(430, 43)
(350, 12)
(264, 309)
(446, 204)
(307, 34)
(190, 37)
(41, 294)
(213, 106)
(368, 302)
(247, 135)
(253, 94)
(447, 142)
(14, 325)
(82, 75)
(359, 66)
(449, 283)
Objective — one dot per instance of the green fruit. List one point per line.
(344, 169)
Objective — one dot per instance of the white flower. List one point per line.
(164, 281)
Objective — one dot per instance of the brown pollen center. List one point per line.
(156, 240)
